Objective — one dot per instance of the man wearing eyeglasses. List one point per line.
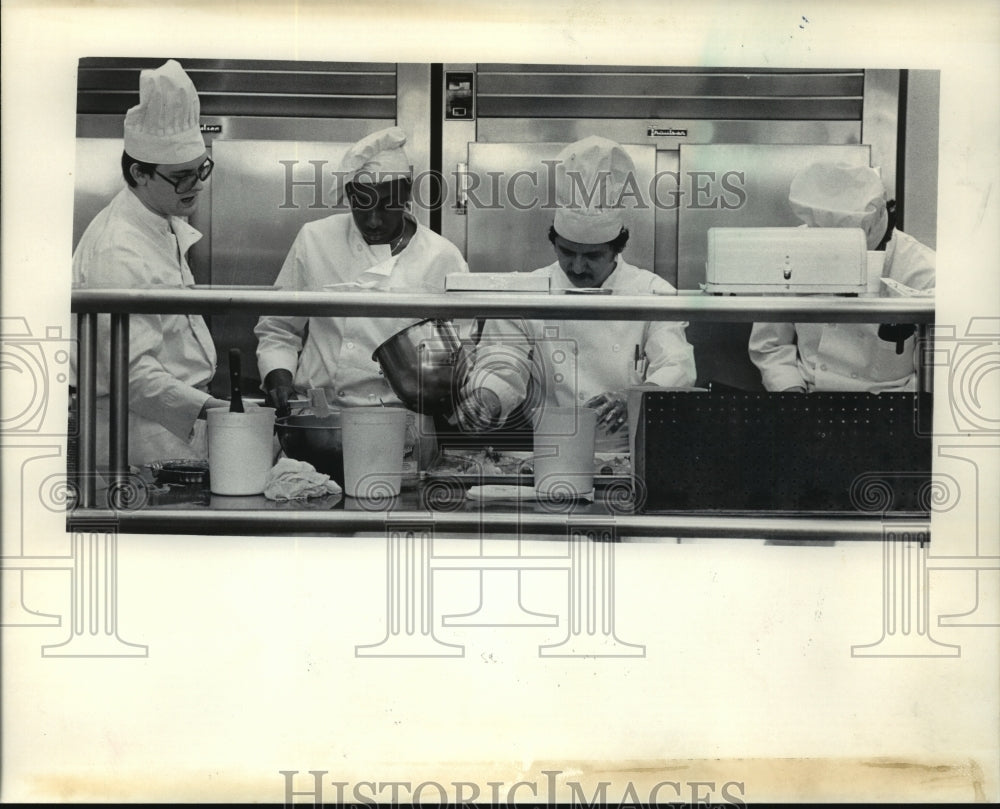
(141, 240)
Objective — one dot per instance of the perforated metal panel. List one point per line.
(734, 450)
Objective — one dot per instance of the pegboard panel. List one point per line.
(817, 452)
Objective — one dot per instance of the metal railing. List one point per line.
(693, 307)
(121, 303)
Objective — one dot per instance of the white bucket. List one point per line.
(374, 439)
(240, 450)
(564, 451)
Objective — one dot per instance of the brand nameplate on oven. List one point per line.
(658, 132)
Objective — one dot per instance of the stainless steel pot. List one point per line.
(421, 364)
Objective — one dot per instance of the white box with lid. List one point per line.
(496, 282)
(786, 261)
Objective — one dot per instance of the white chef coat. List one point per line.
(335, 353)
(845, 356)
(576, 360)
(171, 357)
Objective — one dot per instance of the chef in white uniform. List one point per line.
(379, 245)
(799, 357)
(140, 240)
(574, 363)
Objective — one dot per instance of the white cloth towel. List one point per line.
(297, 480)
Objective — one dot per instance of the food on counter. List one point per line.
(184, 471)
(488, 461)
(613, 465)
(495, 463)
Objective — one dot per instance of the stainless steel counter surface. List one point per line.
(442, 504)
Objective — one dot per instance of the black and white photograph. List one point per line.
(465, 404)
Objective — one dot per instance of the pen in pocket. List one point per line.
(640, 363)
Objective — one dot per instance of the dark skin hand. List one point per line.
(278, 387)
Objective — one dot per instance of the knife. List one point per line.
(235, 372)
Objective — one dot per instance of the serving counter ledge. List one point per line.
(194, 510)
(687, 307)
(413, 507)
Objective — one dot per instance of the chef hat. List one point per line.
(376, 158)
(590, 176)
(838, 195)
(164, 126)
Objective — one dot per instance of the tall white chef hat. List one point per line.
(590, 176)
(377, 157)
(164, 126)
(837, 195)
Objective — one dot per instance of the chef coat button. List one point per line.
(616, 347)
(822, 367)
(854, 376)
(342, 394)
(350, 345)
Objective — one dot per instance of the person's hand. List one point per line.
(611, 409)
(795, 389)
(278, 387)
(210, 403)
(479, 410)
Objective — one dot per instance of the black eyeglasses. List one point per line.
(189, 180)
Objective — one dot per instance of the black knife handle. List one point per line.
(235, 373)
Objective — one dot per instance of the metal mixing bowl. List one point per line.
(314, 440)
(420, 364)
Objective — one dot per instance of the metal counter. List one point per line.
(244, 518)
(442, 503)
(345, 523)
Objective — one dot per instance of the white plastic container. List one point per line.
(786, 261)
(564, 451)
(240, 450)
(496, 282)
(374, 439)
